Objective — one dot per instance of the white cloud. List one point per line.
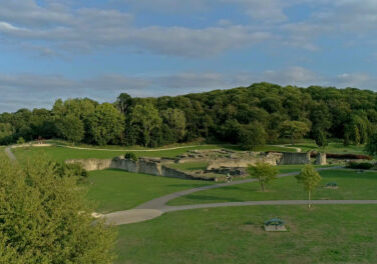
(30, 90)
(89, 29)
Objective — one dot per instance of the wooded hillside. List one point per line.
(249, 116)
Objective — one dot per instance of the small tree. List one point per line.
(20, 141)
(371, 146)
(320, 139)
(264, 172)
(310, 179)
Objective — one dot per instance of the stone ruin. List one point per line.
(221, 162)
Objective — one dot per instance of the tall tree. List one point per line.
(44, 218)
(70, 127)
(106, 125)
(310, 179)
(123, 103)
(175, 125)
(145, 122)
(294, 129)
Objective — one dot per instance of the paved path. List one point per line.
(158, 206)
(9, 153)
(288, 146)
(133, 150)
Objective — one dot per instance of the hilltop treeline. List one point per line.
(248, 116)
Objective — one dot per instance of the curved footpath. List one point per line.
(158, 206)
(9, 153)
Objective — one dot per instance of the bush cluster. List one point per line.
(130, 156)
(360, 165)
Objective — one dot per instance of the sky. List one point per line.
(52, 49)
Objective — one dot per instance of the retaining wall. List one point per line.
(294, 158)
(143, 165)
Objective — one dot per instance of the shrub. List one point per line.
(130, 156)
(360, 165)
(21, 141)
(348, 156)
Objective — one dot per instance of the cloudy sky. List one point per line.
(53, 49)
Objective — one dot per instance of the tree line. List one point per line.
(249, 116)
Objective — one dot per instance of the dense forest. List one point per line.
(249, 116)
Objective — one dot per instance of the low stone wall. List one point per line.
(294, 158)
(153, 166)
(92, 164)
(270, 158)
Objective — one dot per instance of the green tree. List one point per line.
(145, 122)
(175, 122)
(371, 146)
(70, 127)
(320, 138)
(252, 135)
(106, 125)
(310, 179)
(263, 172)
(6, 133)
(44, 218)
(123, 103)
(294, 130)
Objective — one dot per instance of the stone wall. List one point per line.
(152, 166)
(93, 164)
(294, 158)
(270, 158)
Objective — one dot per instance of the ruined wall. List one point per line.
(292, 158)
(151, 166)
(235, 162)
(92, 164)
(321, 159)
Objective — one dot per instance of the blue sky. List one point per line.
(53, 49)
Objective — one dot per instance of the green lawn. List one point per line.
(62, 153)
(352, 185)
(189, 166)
(2, 153)
(334, 147)
(115, 190)
(325, 234)
(293, 168)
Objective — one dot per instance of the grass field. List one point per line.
(59, 153)
(62, 153)
(114, 190)
(352, 185)
(189, 166)
(334, 147)
(325, 234)
(2, 153)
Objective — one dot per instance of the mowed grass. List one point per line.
(114, 190)
(293, 168)
(63, 153)
(334, 147)
(189, 166)
(234, 235)
(2, 153)
(352, 186)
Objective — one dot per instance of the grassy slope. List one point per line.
(351, 186)
(334, 147)
(2, 153)
(325, 234)
(62, 153)
(115, 190)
